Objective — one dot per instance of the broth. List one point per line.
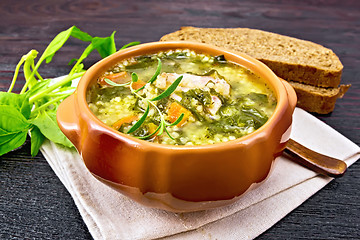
(219, 100)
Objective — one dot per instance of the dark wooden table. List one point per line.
(33, 202)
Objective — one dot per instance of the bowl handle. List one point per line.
(68, 120)
(291, 94)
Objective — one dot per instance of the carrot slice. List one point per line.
(120, 78)
(174, 112)
(138, 84)
(129, 119)
(152, 128)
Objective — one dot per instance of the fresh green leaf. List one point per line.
(60, 40)
(46, 122)
(202, 96)
(19, 101)
(83, 36)
(84, 55)
(258, 97)
(104, 46)
(55, 45)
(37, 138)
(259, 117)
(140, 121)
(11, 121)
(129, 45)
(169, 90)
(52, 48)
(35, 108)
(14, 141)
(13, 128)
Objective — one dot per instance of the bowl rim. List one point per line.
(97, 69)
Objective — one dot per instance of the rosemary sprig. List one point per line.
(163, 123)
(169, 90)
(140, 121)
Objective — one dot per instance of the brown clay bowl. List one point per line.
(177, 178)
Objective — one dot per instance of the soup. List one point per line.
(181, 98)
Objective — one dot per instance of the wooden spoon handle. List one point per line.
(315, 161)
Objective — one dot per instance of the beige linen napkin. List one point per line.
(109, 215)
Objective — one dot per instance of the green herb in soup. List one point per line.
(182, 98)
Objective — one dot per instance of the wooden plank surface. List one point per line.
(33, 202)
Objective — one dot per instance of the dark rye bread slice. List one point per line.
(290, 58)
(317, 99)
(281, 54)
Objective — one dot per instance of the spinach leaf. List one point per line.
(60, 40)
(104, 46)
(203, 97)
(223, 99)
(258, 117)
(226, 126)
(49, 53)
(11, 121)
(13, 128)
(77, 33)
(37, 138)
(186, 101)
(18, 101)
(214, 73)
(258, 97)
(47, 124)
(14, 141)
(35, 107)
